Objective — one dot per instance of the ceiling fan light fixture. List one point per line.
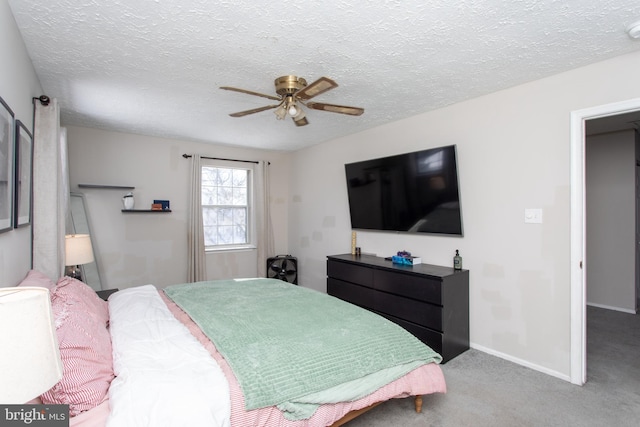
(281, 112)
(293, 110)
(299, 114)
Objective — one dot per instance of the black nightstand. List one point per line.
(104, 294)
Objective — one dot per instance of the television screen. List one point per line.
(413, 192)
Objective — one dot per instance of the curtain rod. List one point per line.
(186, 156)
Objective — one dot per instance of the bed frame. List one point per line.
(353, 414)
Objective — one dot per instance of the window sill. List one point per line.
(243, 248)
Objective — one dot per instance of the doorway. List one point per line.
(610, 200)
(578, 228)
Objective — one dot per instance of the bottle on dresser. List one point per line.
(457, 261)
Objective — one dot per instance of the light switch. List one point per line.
(533, 216)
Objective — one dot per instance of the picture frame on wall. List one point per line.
(6, 166)
(23, 175)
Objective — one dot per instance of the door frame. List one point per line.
(578, 361)
(637, 223)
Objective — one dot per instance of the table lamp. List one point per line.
(29, 356)
(78, 251)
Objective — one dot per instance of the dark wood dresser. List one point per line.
(430, 301)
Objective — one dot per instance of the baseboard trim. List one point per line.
(609, 307)
(522, 362)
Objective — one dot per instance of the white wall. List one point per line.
(611, 225)
(141, 248)
(513, 153)
(18, 85)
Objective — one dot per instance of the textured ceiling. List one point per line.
(154, 67)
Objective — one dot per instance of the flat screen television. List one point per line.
(414, 192)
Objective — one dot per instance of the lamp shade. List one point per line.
(78, 249)
(29, 356)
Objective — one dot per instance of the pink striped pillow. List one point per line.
(75, 291)
(85, 347)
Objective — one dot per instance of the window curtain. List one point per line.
(50, 189)
(264, 227)
(196, 252)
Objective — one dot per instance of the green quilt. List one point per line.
(285, 342)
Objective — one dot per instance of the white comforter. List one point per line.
(164, 377)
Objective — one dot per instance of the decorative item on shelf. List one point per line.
(405, 258)
(358, 251)
(165, 204)
(128, 201)
(33, 365)
(156, 206)
(78, 251)
(457, 261)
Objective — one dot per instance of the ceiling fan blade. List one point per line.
(342, 109)
(301, 121)
(255, 110)
(248, 92)
(321, 85)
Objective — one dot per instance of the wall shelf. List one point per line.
(145, 210)
(106, 187)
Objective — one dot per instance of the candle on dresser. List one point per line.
(353, 243)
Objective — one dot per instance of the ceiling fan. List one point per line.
(293, 93)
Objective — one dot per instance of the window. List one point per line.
(226, 207)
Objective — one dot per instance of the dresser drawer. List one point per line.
(350, 273)
(349, 292)
(430, 337)
(418, 312)
(417, 287)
